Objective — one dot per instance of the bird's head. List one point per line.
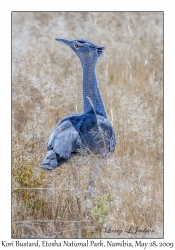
(85, 50)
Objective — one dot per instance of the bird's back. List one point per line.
(83, 134)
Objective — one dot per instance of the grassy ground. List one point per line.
(46, 86)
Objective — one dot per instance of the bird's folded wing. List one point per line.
(63, 139)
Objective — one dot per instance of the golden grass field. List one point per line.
(46, 86)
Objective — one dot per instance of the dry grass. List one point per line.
(47, 86)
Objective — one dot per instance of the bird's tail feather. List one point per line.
(52, 161)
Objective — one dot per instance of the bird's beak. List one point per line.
(63, 40)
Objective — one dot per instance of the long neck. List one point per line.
(91, 90)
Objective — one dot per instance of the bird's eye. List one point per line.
(77, 46)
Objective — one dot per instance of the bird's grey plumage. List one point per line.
(90, 132)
